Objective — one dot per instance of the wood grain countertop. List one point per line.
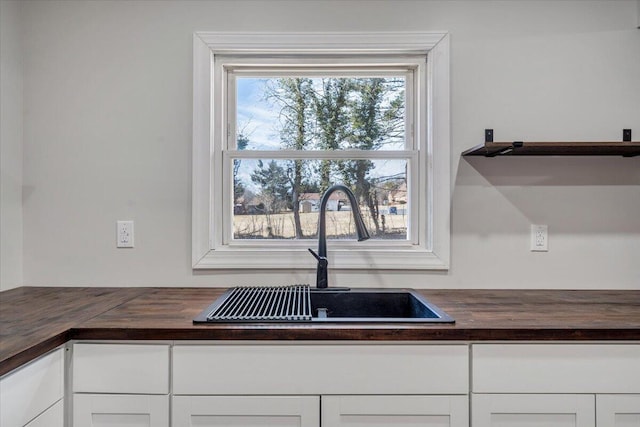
(34, 320)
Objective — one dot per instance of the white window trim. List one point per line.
(207, 126)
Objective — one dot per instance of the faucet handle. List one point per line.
(321, 260)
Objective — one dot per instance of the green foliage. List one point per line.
(274, 184)
(242, 141)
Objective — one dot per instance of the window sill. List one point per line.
(347, 259)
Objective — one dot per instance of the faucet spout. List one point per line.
(361, 231)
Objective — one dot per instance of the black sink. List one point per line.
(374, 305)
(301, 303)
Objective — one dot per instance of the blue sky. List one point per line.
(256, 117)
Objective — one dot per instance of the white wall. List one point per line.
(10, 146)
(107, 136)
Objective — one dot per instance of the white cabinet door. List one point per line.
(395, 411)
(533, 410)
(618, 410)
(246, 411)
(114, 410)
(28, 391)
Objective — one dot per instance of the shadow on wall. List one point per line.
(556, 170)
(570, 194)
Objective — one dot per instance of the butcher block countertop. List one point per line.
(34, 320)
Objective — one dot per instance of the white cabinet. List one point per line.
(106, 410)
(395, 411)
(246, 411)
(349, 385)
(618, 410)
(532, 410)
(563, 385)
(400, 385)
(31, 390)
(121, 385)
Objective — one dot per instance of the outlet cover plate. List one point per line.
(539, 238)
(124, 234)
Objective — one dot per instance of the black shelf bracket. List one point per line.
(488, 135)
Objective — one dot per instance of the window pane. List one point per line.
(320, 113)
(279, 199)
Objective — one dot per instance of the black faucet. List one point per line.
(361, 231)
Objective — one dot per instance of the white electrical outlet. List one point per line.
(124, 234)
(539, 238)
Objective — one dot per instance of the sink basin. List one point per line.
(374, 305)
(300, 303)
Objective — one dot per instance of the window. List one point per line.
(280, 117)
(293, 132)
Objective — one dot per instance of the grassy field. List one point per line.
(339, 225)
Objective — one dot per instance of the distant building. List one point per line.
(310, 202)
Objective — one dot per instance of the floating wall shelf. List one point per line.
(625, 148)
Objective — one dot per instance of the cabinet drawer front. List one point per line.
(558, 410)
(120, 410)
(320, 369)
(121, 368)
(28, 391)
(289, 411)
(556, 368)
(405, 411)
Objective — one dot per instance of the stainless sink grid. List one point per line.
(262, 304)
